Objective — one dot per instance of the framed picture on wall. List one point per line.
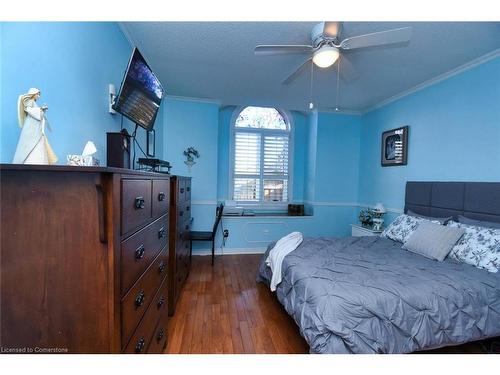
(394, 147)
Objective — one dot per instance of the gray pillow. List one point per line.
(478, 223)
(442, 220)
(433, 240)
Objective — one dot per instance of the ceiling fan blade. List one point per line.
(378, 39)
(282, 49)
(348, 73)
(332, 29)
(296, 72)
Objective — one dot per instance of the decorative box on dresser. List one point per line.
(180, 225)
(84, 259)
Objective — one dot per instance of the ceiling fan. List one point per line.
(326, 47)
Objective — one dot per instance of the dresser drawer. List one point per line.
(188, 190)
(136, 204)
(184, 225)
(159, 339)
(138, 298)
(161, 197)
(183, 212)
(183, 247)
(143, 335)
(139, 250)
(181, 190)
(182, 236)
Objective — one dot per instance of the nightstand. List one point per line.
(360, 231)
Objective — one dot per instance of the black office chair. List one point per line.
(207, 236)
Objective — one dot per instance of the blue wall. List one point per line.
(454, 135)
(72, 64)
(337, 158)
(192, 123)
(223, 151)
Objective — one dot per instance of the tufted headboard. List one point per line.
(475, 200)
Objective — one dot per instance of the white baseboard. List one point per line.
(233, 251)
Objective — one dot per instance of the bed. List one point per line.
(368, 295)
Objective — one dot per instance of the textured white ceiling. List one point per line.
(215, 60)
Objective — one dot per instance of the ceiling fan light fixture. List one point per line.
(326, 56)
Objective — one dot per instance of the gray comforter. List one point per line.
(368, 295)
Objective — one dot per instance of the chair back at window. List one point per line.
(218, 213)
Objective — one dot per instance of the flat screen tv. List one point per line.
(140, 94)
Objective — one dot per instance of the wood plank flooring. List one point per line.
(223, 310)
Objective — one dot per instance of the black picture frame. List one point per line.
(150, 142)
(394, 148)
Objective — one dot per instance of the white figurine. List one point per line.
(33, 146)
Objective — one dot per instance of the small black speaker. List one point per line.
(118, 149)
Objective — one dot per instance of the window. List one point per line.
(261, 144)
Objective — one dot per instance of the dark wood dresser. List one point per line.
(180, 225)
(84, 259)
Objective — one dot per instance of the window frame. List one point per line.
(233, 129)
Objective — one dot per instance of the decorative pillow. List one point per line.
(442, 220)
(432, 240)
(478, 223)
(479, 247)
(402, 227)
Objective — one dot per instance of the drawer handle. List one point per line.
(188, 189)
(181, 213)
(161, 267)
(182, 190)
(162, 233)
(160, 335)
(187, 227)
(139, 347)
(161, 196)
(139, 300)
(139, 203)
(188, 208)
(139, 252)
(160, 303)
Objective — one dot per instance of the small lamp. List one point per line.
(378, 211)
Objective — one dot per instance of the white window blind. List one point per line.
(261, 153)
(247, 155)
(276, 155)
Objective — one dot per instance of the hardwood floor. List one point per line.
(223, 310)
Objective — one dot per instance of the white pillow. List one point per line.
(479, 246)
(433, 241)
(403, 227)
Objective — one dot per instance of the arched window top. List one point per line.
(261, 118)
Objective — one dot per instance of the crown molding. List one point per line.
(460, 69)
(193, 99)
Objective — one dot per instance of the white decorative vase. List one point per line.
(189, 163)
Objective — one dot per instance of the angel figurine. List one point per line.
(33, 146)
